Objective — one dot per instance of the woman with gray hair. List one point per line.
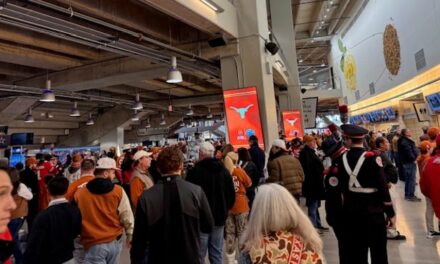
(278, 231)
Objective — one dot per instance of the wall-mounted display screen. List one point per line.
(20, 139)
(434, 102)
(292, 124)
(382, 115)
(243, 116)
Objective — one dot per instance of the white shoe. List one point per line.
(230, 258)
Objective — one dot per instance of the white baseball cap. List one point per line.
(141, 153)
(106, 164)
(279, 143)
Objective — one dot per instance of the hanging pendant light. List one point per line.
(162, 120)
(148, 125)
(48, 95)
(174, 75)
(29, 118)
(75, 112)
(135, 116)
(137, 104)
(182, 124)
(90, 121)
(190, 112)
(209, 115)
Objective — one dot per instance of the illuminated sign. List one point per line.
(243, 116)
(292, 124)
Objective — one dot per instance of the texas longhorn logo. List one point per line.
(292, 122)
(242, 111)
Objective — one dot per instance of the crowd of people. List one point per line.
(229, 206)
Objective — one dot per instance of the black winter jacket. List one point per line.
(313, 185)
(216, 182)
(169, 218)
(407, 150)
(51, 238)
(258, 158)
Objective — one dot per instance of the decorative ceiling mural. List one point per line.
(391, 49)
(348, 66)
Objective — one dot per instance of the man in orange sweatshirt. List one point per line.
(87, 174)
(140, 179)
(106, 214)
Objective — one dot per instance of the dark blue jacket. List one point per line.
(407, 150)
(258, 158)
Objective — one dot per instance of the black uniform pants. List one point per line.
(362, 233)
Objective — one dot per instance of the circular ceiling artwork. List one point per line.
(391, 49)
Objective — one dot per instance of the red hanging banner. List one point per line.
(292, 124)
(243, 116)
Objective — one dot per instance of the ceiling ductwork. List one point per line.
(118, 42)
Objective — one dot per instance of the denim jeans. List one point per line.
(409, 171)
(213, 243)
(108, 253)
(14, 227)
(312, 207)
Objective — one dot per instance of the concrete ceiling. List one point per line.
(101, 53)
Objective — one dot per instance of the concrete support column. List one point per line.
(114, 138)
(283, 30)
(250, 67)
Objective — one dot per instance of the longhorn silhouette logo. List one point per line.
(242, 111)
(292, 122)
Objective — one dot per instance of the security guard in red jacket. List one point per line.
(365, 200)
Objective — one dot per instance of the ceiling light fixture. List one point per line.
(211, 4)
(75, 112)
(137, 104)
(50, 115)
(48, 95)
(29, 118)
(325, 16)
(209, 115)
(148, 125)
(314, 71)
(162, 120)
(174, 75)
(331, 2)
(328, 9)
(90, 121)
(190, 112)
(182, 124)
(135, 116)
(301, 61)
(323, 64)
(317, 31)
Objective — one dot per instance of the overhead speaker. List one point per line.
(303, 90)
(218, 40)
(272, 47)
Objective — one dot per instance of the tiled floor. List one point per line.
(417, 249)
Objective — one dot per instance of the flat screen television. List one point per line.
(20, 139)
(434, 102)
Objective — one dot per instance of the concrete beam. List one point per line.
(205, 100)
(129, 90)
(103, 74)
(39, 131)
(35, 58)
(29, 38)
(86, 135)
(200, 16)
(18, 70)
(17, 124)
(161, 87)
(140, 18)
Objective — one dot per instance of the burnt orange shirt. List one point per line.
(78, 184)
(241, 182)
(137, 187)
(100, 220)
